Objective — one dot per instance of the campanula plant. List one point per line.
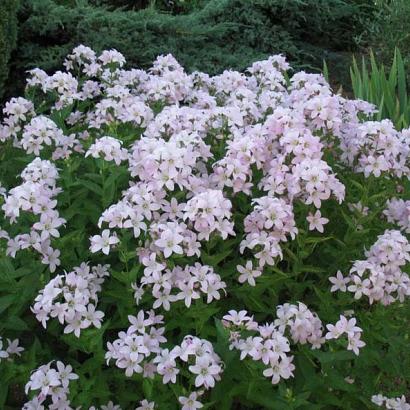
(186, 241)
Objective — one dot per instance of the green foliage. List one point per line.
(387, 90)
(390, 29)
(174, 6)
(215, 35)
(8, 37)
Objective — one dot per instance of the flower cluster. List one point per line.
(53, 384)
(397, 403)
(271, 345)
(380, 277)
(310, 179)
(187, 284)
(109, 149)
(13, 348)
(209, 211)
(134, 210)
(170, 237)
(72, 298)
(139, 350)
(42, 132)
(398, 212)
(119, 106)
(304, 326)
(376, 147)
(17, 112)
(167, 164)
(270, 223)
(144, 405)
(132, 350)
(36, 195)
(348, 327)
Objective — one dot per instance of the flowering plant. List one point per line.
(173, 240)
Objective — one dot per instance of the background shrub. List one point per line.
(390, 30)
(203, 35)
(8, 37)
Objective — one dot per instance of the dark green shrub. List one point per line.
(221, 34)
(390, 30)
(8, 36)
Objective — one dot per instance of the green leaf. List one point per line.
(6, 301)
(213, 260)
(15, 323)
(92, 186)
(325, 71)
(401, 80)
(332, 357)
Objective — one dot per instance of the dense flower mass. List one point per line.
(109, 149)
(72, 298)
(139, 350)
(36, 195)
(269, 224)
(295, 323)
(192, 196)
(52, 381)
(397, 403)
(380, 276)
(398, 212)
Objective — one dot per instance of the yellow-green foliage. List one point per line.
(388, 91)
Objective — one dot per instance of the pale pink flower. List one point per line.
(103, 242)
(190, 402)
(339, 282)
(248, 274)
(316, 221)
(205, 371)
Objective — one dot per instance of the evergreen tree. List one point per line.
(8, 37)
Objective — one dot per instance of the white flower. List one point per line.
(248, 274)
(190, 402)
(65, 374)
(280, 369)
(237, 318)
(110, 406)
(316, 221)
(339, 282)
(206, 371)
(103, 242)
(146, 405)
(169, 243)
